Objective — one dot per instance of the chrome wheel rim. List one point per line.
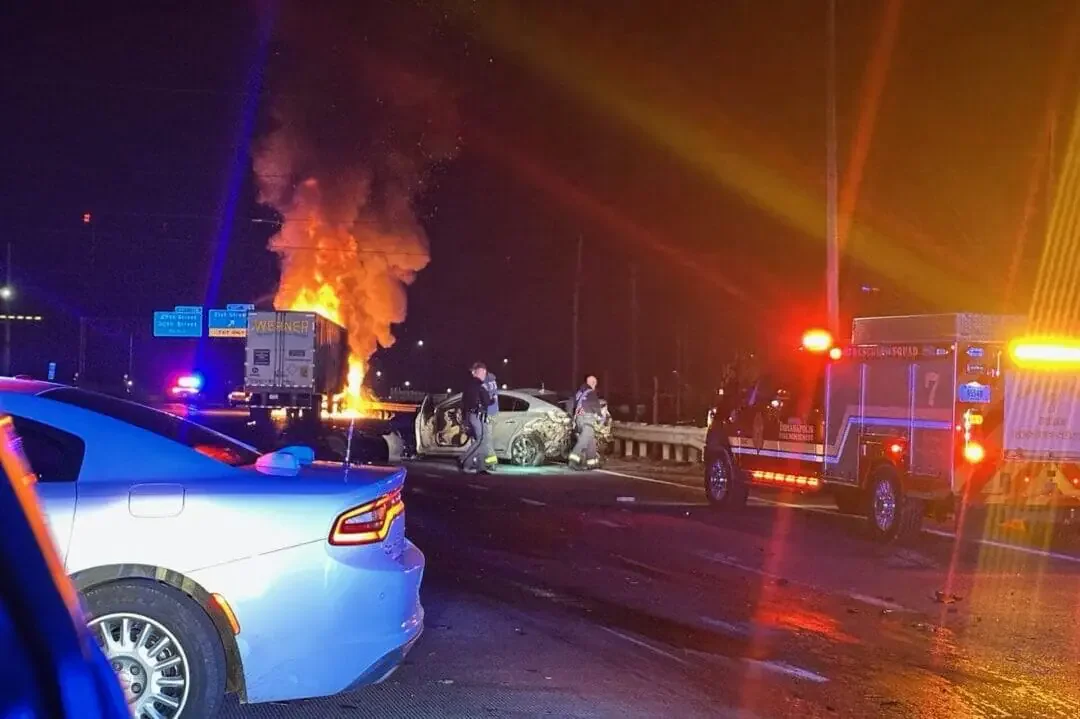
(718, 479)
(884, 505)
(150, 663)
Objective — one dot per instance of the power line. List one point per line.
(268, 248)
(210, 91)
(198, 216)
(39, 170)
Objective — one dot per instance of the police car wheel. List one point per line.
(163, 646)
(723, 487)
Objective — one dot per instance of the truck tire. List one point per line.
(725, 485)
(892, 516)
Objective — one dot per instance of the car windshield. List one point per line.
(202, 440)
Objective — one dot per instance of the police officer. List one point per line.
(491, 386)
(587, 409)
(474, 404)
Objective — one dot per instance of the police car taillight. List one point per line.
(369, 523)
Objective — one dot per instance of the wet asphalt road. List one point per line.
(550, 593)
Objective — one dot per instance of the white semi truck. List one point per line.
(293, 361)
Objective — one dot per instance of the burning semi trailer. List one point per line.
(295, 363)
(297, 366)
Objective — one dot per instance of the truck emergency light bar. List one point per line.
(1045, 353)
(819, 341)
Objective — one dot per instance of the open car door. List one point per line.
(424, 427)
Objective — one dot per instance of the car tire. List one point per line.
(892, 516)
(527, 450)
(725, 486)
(174, 617)
(850, 500)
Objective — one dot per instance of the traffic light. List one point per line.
(86, 218)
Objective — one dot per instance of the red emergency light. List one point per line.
(818, 341)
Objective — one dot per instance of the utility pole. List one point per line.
(574, 363)
(7, 322)
(634, 379)
(80, 375)
(655, 400)
(832, 237)
(678, 370)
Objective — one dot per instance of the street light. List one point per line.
(419, 343)
(6, 292)
(408, 384)
(378, 373)
(506, 360)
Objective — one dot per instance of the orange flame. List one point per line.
(323, 300)
(344, 184)
(350, 270)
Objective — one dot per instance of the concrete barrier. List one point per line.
(659, 441)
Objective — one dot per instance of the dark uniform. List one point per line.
(587, 409)
(474, 404)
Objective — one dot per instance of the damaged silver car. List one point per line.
(529, 430)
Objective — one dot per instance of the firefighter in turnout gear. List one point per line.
(491, 386)
(587, 410)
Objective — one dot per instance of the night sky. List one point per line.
(684, 139)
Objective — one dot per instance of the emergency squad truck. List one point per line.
(918, 414)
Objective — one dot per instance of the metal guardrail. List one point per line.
(659, 441)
